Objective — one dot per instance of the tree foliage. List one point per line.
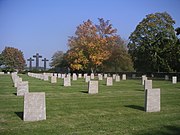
(91, 45)
(58, 61)
(13, 58)
(152, 43)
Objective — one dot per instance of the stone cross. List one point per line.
(37, 56)
(45, 60)
(30, 63)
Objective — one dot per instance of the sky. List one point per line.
(43, 26)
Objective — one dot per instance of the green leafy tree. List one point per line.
(92, 45)
(152, 43)
(58, 61)
(13, 58)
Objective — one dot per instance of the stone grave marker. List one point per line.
(166, 77)
(79, 75)
(147, 84)
(74, 77)
(105, 75)
(143, 79)
(34, 106)
(152, 100)
(53, 79)
(174, 79)
(22, 88)
(67, 81)
(92, 75)
(124, 77)
(117, 78)
(109, 81)
(93, 87)
(87, 79)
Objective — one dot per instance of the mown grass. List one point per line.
(115, 110)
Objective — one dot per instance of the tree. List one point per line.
(152, 42)
(13, 58)
(91, 45)
(58, 61)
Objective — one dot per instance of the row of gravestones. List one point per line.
(34, 102)
(2, 73)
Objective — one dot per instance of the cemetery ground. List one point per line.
(115, 110)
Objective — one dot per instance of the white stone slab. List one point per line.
(109, 81)
(22, 88)
(93, 87)
(148, 84)
(34, 106)
(174, 79)
(152, 100)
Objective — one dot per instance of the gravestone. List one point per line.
(55, 74)
(85, 75)
(152, 100)
(34, 106)
(67, 81)
(109, 81)
(79, 75)
(174, 79)
(22, 88)
(45, 77)
(166, 77)
(105, 75)
(93, 87)
(92, 75)
(63, 76)
(59, 75)
(148, 84)
(124, 77)
(1, 73)
(74, 77)
(117, 78)
(53, 79)
(143, 79)
(114, 76)
(100, 77)
(87, 79)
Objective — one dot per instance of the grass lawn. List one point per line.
(115, 110)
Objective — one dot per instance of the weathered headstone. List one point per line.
(45, 77)
(63, 76)
(109, 81)
(124, 77)
(174, 79)
(166, 77)
(87, 79)
(79, 75)
(67, 81)
(114, 76)
(22, 88)
(59, 75)
(53, 79)
(1, 73)
(143, 79)
(93, 87)
(74, 77)
(105, 75)
(100, 77)
(92, 75)
(148, 84)
(85, 75)
(34, 106)
(117, 78)
(152, 100)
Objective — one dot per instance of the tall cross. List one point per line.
(30, 63)
(37, 56)
(45, 63)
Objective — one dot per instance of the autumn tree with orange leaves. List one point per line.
(91, 45)
(13, 58)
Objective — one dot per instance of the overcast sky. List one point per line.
(43, 26)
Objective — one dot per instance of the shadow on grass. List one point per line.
(135, 107)
(15, 94)
(84, 91)
(167, 130)
(20, 115)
